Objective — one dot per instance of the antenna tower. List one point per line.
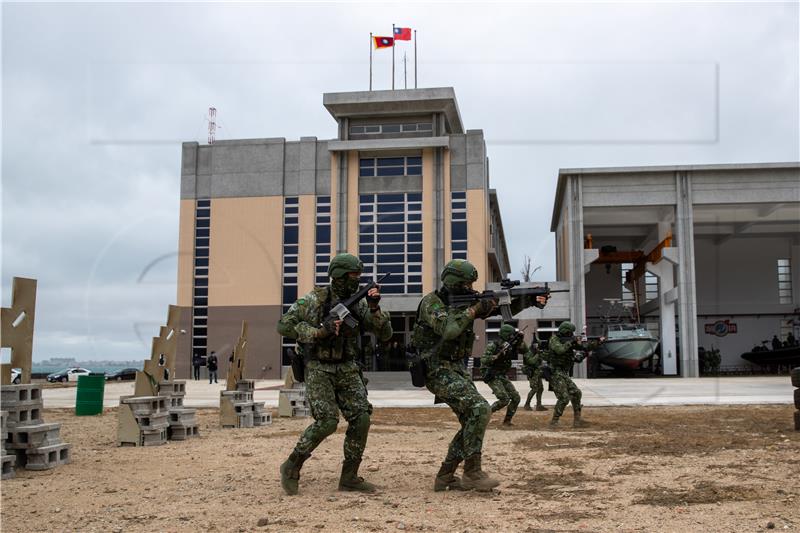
(212, 124)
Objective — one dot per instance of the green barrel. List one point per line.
(89, 400)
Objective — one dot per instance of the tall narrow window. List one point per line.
(290, 249)
(785, 281)
(458, 224)
(322, 251)
(202, 240)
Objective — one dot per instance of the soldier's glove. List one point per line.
(373, 301)
(328, 327)
(482, 308)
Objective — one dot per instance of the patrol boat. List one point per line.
(626, 346)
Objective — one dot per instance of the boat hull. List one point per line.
(625, 353)
(782, 356)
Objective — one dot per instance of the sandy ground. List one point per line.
(635, 469)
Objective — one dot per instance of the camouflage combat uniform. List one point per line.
(532, 366)
(332, 375)
(561, 356)
(443, 336)
(496, 369)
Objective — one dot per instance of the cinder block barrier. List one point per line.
(145, 405)
(46, 457)
(8, 462)
(20, 394)
(38, 436)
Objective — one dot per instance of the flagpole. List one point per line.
(405, 70)
(415, 59)
(393, 40)
(370, 61)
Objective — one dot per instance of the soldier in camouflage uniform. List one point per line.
(495, 364)
(532, 366)
(561, 356)
(332, 376)
(443, 336)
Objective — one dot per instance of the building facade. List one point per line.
(404, 186)
(715, 250)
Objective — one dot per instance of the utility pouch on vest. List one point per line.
(298, 367)
(418, 369)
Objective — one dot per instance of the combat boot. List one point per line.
(507, 421)
(578, 422)
(528, 407)
(474, 477)
(446, 478)
(290, 472)
(554, 423)
(349, 481)
(540, 407)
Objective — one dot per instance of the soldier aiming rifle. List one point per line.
(495, 364)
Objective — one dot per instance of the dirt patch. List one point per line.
(700, 493)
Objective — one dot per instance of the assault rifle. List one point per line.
(504, 353)
(341, 311)
(507, 296)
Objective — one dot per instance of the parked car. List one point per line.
(124, 374)
(16, 376)
(68, 374)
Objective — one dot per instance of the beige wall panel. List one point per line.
(305, 260)
(246, 251)
(334, 198)
(448, 204)
(478, 234)
(352, 203)
(428, 223)
(186, 252)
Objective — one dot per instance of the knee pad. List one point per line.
(327, 425)
(360, 423)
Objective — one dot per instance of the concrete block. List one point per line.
(246, 419)
(35, 436)
(182, 417)
(172, 388)
(182, 432)
(237, 396)
(246, 385)
(153, 438)
(8, 462)
(291, 399)
(3, 418)
(46, 457)
(145, 405)
(20, 393)
(262, 419)
(23, 416)
(175, 402)
(153, 421)
(300, 412)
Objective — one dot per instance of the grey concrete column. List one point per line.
(577, 281)
(687, 294)
(341, 206)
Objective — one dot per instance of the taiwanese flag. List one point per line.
(383, 42)
(402, 34)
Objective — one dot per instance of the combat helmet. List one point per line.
(343, 264)
(566, 329)
(458, 272)
(507, 331)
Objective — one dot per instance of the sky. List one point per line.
(97, 98)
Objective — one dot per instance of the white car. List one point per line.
(68, 374)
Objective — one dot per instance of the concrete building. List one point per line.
(404, 186)
(715, 250)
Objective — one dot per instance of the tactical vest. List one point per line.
(430, 344)
(331, 349)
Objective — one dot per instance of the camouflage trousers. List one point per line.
(329, 389)
(537, 387)
(506, 394)
(448, 380)
(566, 391)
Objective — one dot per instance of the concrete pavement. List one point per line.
(394, 389)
